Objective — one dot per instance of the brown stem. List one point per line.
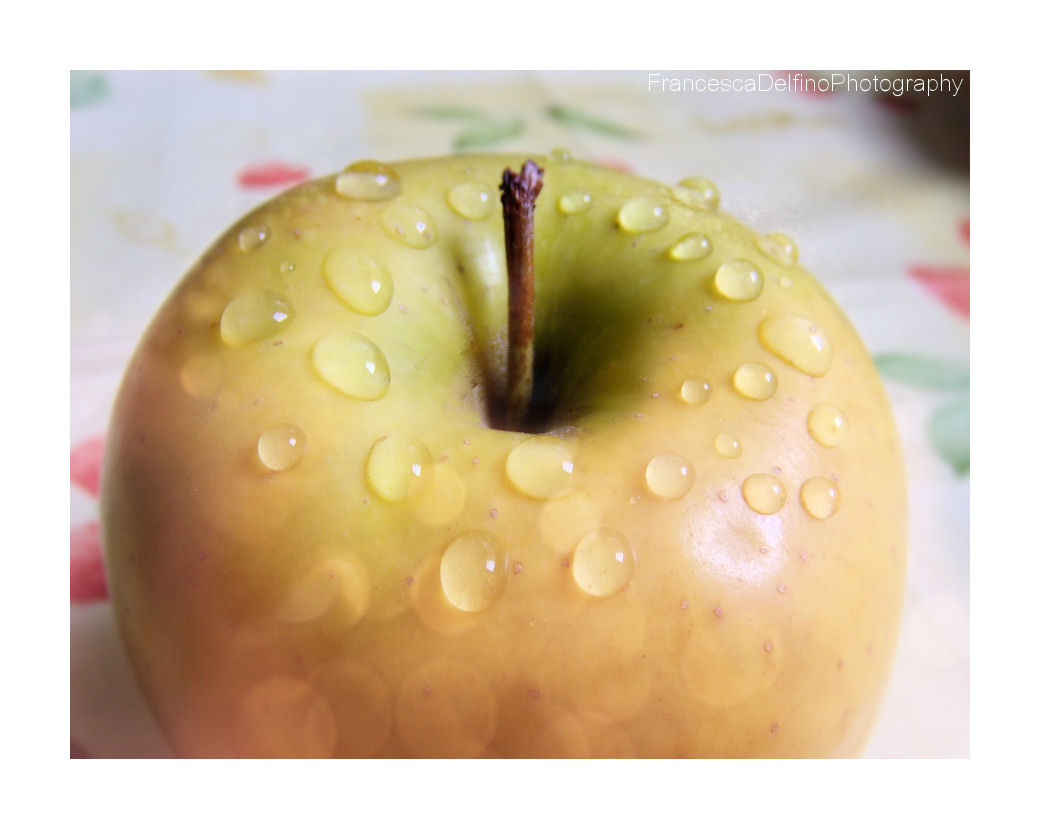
(519, 191)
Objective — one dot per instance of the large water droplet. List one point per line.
(353, 364)
(250, 238)
(362, 283)
(281, 447)
(255, 316)
(642, 214)
(696, 390)
(820, 497)
(409, 224)
(827, 424)
(574, 201)
(473, 571)
(541, 467)
(368, 181)
(398, 467)
(727, 446)
(690, 246)
(697, 192)
(603, 562)
(669, 476)
(739, 279)
(764, 493)
(798, 341)
(779, 248)
(471, 200)
(755, 381)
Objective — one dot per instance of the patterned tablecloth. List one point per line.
(872, 186)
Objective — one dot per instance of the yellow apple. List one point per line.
(319, 545)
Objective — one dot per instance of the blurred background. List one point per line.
(869, 177)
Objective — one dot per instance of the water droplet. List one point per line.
(473, 571)
(574, 201)
(727, 446)
(561, 154)
(739, 279)
(696, 390)
(368, 181)
(779, 248)
(669, 476)
(820, 497)
(250, 238)
(827, 424)
(690, 246)
(697, 192)
(409, 224)
(200, 376)
(764, 493)
(471, 200)
(641, 214)
(541, 467)
(253, 317)
(786, 281)
(798, 341)
(603, 562)
(398, 467)
(281, 447)
(284, 717)
(287, 267)
(339, 582)
(755, 381)
(362, 283)
(353, 364)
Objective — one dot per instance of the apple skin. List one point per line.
(301, 613)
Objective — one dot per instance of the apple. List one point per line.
(321, 540)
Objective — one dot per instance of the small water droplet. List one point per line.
(398, 467)
(642, 214)
(561, 154)
(251, 317)
(603, 562)
(409, 224)
(755, 381)
(353, 364)
(473, 571)
(798, 341)
(779, 248)
(764, 493)
(200, 376)
(471, 200)
(358, 280)
(739, 279)
(541, 467)
(727, 446)
(698, 192)
(690, 246)
(696, 390)
(368, 181)
(281, 447)
(250, 238)
(828, 425)
(669, 476)
(786, 281)
(287, 267)
(820, 497)
(574, 201)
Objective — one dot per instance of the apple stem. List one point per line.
(519, 192)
